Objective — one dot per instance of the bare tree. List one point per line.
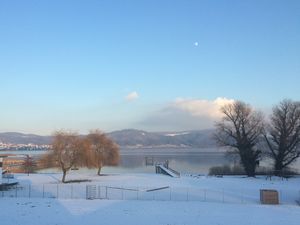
(283, 134)
(240, 129)
(68, 150)
(29, 165)
(105, 151)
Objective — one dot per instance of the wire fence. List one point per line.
(83, 191)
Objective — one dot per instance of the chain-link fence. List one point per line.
(92, 191)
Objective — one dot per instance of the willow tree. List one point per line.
(103, 150)
(283, 134)
(240, 129)
(68, 150)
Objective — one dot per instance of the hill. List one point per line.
(20, 138)
(130, 138)
(139, 138)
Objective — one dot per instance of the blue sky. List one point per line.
(71, 64)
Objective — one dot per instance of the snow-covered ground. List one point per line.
(187, 200)
(81, 212)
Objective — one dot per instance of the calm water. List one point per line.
(182, 160)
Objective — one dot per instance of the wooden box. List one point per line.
(269, 197)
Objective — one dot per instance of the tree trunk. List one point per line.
(64, 176)
(100, 164)
(249, 162)
(278, 167)
(99, 170)
(250, 170)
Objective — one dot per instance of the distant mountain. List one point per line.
(20, 138)
(131, 138)
(139, 138)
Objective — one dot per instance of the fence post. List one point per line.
(86, 191)
(57, 191)
(99, 192)
(71, 191)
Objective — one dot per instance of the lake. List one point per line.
(196, 161)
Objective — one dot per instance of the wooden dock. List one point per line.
(162, 169)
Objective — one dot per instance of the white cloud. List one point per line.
(132, 96)
(186, 114)
(202, 107)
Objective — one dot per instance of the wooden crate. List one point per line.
(269, 197)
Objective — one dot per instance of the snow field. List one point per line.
(162, 200)
(110, 212)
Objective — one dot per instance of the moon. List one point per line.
(196, 43)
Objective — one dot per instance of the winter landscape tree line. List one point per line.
(248, 133)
